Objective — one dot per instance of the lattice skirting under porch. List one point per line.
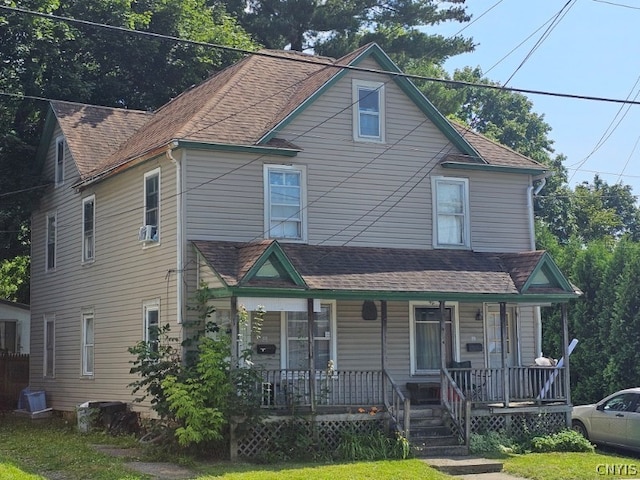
(520, 424)
(325, 430)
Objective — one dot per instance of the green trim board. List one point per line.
(283, 152)
(405, 85)
(274, 254)
(397, 296)
(492, 168)
(45, 138)
(550, 270)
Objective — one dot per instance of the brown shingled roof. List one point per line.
(382, 269)
(239, 105)
(94, 133)
(492, 153)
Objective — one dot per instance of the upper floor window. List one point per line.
(368, 111)
(151, 207)
(59, 170)
(285, 201)
(51, 242)
(450, 212)
(88, 228)
(87, 343)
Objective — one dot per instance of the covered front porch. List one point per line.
(383, 332)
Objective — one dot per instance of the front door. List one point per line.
(426, 338)
(494, 338)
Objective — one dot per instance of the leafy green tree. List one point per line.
(335, 27)
(14, 279)
(49, 58)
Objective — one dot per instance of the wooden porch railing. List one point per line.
(398, 406)
(353, 388)
(458, 406)
(490, 385)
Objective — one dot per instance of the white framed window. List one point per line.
(295, 335)
(88, 325)
(49, 354)
(59, 168)
(151, 322)
(424, 340)
(151, 220)
(285, 202)
(450, 198)
(368, 111)
(88, 228)
(51, 237)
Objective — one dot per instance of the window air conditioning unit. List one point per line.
(148, 233)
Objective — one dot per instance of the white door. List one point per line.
(494, 338)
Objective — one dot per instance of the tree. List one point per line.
(335, 27)
(50, 58)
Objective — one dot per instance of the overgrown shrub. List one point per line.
(199, 394)
(563, 441)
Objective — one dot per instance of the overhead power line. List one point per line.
(311, 60)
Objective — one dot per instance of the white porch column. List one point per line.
(383, 346)
(312, 362)
(565, 356)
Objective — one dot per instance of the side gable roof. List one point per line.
(388, 273)
(244, 105)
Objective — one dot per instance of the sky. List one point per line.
(592, 50)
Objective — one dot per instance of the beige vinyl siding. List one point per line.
(205, 274)
(385, 187)
(114, 286)
(527, 334)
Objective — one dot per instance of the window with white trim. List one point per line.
(151, 313)
(425, 344)
(87, 343)
(49, 353)
(295, 328)
(285, 202)
(450, 212)
(152, 205)
(59, 168)
(368, 111)
(88, 228)
(51, 235)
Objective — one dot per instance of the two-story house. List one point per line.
(384, 242)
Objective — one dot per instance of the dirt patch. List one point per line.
(157, 470)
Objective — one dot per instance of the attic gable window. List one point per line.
(59, 169)
(450, 212)
(368, 111)
(285, 202)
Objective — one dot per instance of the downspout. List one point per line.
(531, 192)
(179, 236)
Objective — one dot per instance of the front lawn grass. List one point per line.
(572, 466)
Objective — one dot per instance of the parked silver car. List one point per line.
(614, 420)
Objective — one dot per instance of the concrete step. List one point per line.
(430, 431)
(464, 465)
(427, 411)
(426, 422)
(440, 451)
(434, 440)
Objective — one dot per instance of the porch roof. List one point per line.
(384, 273)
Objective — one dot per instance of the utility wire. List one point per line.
(558, 18)
(313, 60)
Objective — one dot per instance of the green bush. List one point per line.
(372, 446)
(492, 443)
(563, 441)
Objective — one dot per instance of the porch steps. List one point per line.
(430, 436)
(465, 465)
